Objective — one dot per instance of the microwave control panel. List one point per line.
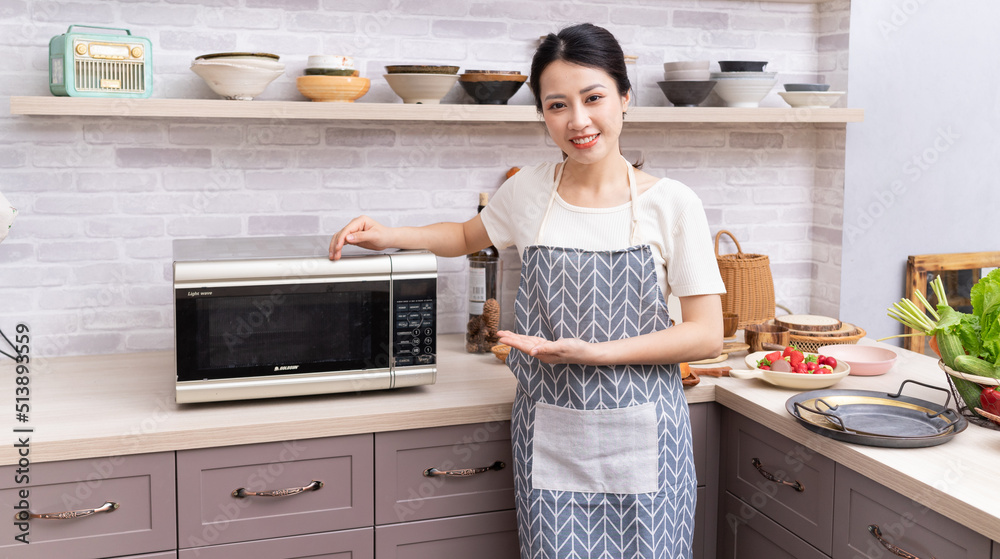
(415, 339)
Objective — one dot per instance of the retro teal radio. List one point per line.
(99, 65)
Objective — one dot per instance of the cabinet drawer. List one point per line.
(164, 555)
(347, 544)
(209, 514)
(748, 534)
(903, 523)
(142, 486)
(404, 493)
(807, 513)
(491, 535)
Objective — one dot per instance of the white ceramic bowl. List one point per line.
(329, 61)
(238, 76)
(686, 75)
(744, 93)
(686, 65)
(797, 381)
(865, 360)
(427, 89)
(811, 99)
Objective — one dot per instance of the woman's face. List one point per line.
(582, 110)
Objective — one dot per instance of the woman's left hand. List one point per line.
(563, 350)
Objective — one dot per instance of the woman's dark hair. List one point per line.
(586, 45)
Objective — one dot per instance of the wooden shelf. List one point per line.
(306, 110)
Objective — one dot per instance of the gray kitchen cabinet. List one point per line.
(749, 534)
(273, 490)
(871, 519)
(120, 505)
(164, 555)
(345, 544)
(443, 471)
(779, 478)
(491, 535)
(705, 429)
(996, 550)
(407, 501)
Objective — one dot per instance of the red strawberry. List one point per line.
(772, 357)
(795, 357)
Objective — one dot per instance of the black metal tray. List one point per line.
(877, 418)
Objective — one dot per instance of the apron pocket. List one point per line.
(595, 451)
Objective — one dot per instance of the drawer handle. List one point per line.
(243, 493)
(68, 515)
(796, 486)
(464, 472)
(877, 533)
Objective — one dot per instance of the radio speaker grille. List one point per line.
(110, 75)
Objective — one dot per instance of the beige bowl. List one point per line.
(238, 76)
(426, 89)
(333, 89)
(686, 75)
(686, 65)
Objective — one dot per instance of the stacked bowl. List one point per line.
(421, 84)
(743, 83)
(491, 87)
(332, 79)
(686, 83)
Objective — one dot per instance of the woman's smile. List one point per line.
(585, 142)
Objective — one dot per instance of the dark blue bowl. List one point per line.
(491, 92)
(686, 93)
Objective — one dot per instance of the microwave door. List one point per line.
(266, 330)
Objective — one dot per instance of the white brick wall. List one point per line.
(88, 261)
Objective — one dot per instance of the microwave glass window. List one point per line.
(304, 328)
(271, 332)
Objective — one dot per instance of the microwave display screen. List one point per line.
(263, 330)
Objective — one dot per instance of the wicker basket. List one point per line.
(963, 409)
(749, 286)
(811, 344)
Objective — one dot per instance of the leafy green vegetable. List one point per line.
(986, 308)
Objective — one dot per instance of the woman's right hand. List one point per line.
(362, 231)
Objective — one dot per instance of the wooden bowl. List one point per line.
(730, 323)
(332, 89)
(756, 335)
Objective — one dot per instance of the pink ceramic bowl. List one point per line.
(865, 360)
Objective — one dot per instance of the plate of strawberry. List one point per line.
(791, 368)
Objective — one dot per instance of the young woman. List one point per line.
(600, 427)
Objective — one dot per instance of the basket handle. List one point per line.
(735, 242)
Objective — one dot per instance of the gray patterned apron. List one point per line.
(603, 464)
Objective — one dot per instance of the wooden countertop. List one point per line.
(111, 405)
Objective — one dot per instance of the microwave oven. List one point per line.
(264, 317)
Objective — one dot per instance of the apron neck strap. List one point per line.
(633, 197)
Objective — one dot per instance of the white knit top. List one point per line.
(671, 217)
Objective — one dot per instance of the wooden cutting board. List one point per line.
(808, 322)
